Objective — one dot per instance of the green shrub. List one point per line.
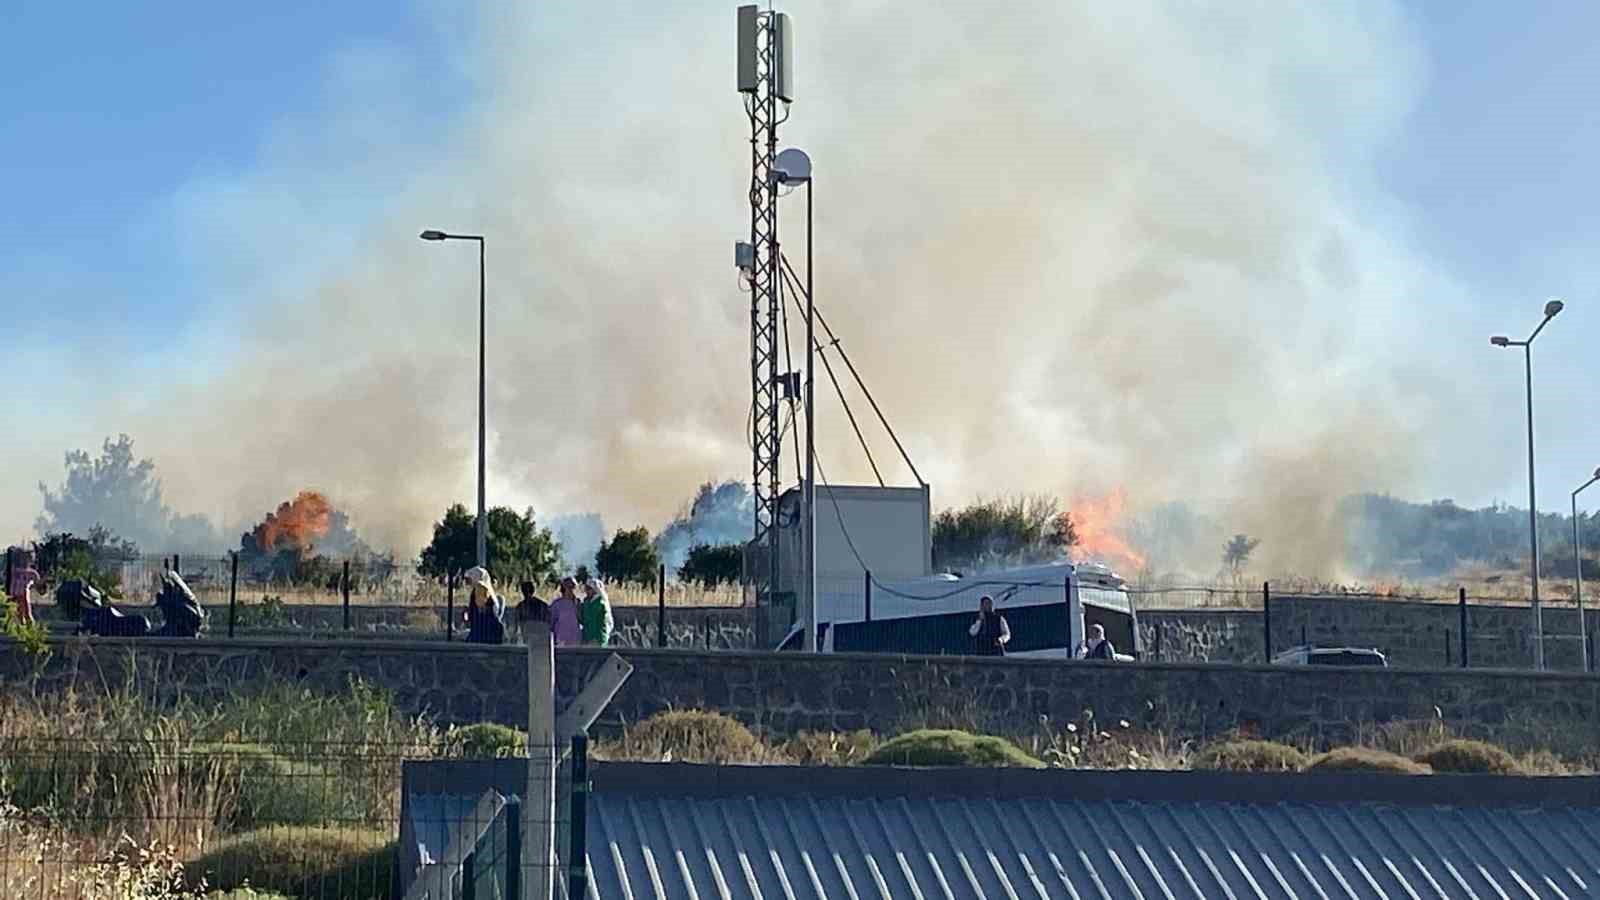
(936, 747)
(1464, 757)
(691, 735)
(485, 740)
(1250, 756)
(274, 789)
(308, 863)
(830, 748)
(1364, 759)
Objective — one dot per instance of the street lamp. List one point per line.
(1550, 311)
(483, 515)
(793, 166)
(1577, 557)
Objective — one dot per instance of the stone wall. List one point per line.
(790, 692)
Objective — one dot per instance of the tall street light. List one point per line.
(1577, 557)
(793, 166)
(1550, 311)
(483, 515)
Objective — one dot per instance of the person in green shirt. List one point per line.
(594, 614)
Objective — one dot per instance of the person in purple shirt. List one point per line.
(564, 627)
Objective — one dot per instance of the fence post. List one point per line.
(1158, 630)
(513, 848)
(10, 564)
(233, 589)
(176, 569)
(867, 581)
(1266, 620)
(661, 607)
(450, 606)
(1448, 662)
(344, 588)
(578, 867)
(1304, 641)
(1463, 592)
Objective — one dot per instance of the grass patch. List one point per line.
(1365, 759)
(308, 863)
(1250, 756)
(829, 748)
(1463, 757)
(944, 747)
(485, 740)
(690, 735)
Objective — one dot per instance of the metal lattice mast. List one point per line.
(761, 72)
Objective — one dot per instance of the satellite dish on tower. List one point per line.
(792, 165)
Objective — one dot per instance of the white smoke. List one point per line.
(1071, 246)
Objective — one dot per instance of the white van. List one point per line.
(1047, 607)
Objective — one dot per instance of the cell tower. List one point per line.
(764, 80)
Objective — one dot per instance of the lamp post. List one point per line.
(1577, 558)
(483, 514)
(793, 166)
(1550, 311)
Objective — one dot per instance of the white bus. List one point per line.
(1047, 607)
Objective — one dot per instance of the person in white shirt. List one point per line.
(990, 629)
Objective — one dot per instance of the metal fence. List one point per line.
(167, 816)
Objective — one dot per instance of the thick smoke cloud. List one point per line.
(1072, 247)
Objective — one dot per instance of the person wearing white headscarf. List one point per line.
(485, 609)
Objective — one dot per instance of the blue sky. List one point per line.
(125, 124)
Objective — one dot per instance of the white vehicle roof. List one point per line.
(945, 593)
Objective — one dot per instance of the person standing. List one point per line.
(595, 614)
(485, 610)
(564, 626)
(23, 577)
(1097, 646)
(990, 629)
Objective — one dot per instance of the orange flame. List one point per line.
(1098, 522)
(299, 523)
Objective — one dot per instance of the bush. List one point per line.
(1363, 759)
(485, 740)
(830, 748)
(1465, 757)
(690, 736)
(1250, 756)
(278, 790)
(937, 747)
(309, 863)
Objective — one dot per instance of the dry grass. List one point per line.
(42, 860)
(690, 736)
(1366, 759)
(1484, 584)
(1250, 756)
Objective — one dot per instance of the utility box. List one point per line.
(883, 529)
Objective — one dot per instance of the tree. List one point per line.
(992, 533)
(121, 493)
(1236, 553)
(711, 566)
(518, 548)
(628, 556)
(113, 490)
(66, 557)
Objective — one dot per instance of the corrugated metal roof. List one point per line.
(797, 846)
